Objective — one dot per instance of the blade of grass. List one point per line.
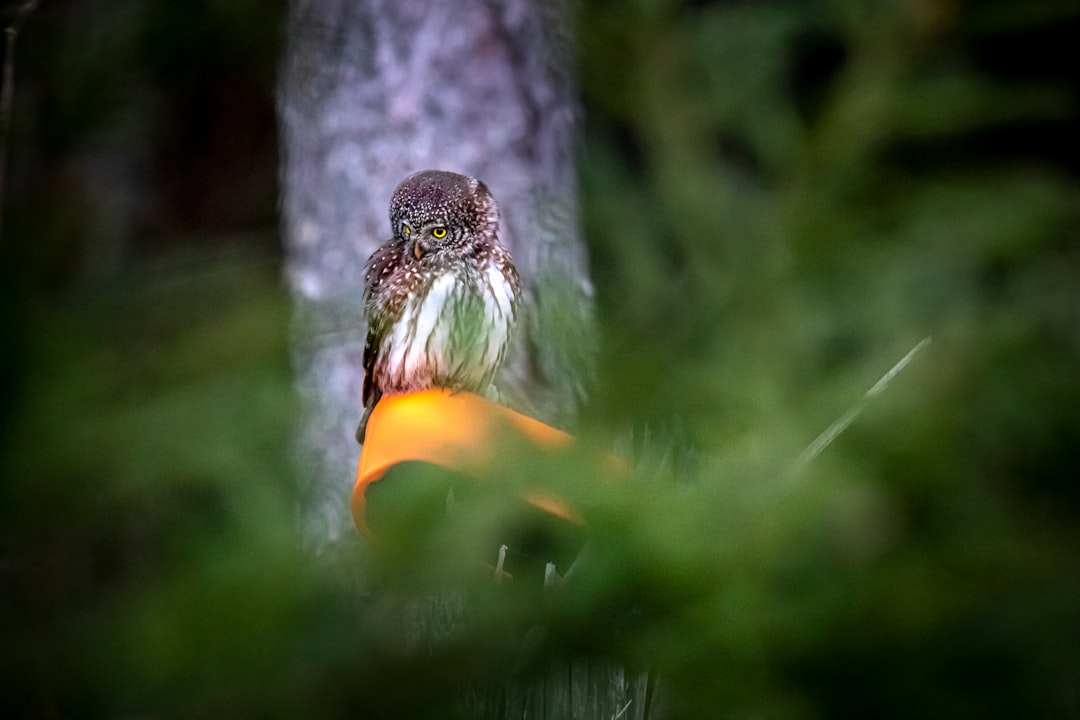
(830, 433)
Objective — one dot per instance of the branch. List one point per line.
(14, 18)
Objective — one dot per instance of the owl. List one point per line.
(441, 296)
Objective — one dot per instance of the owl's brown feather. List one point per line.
(441, 296)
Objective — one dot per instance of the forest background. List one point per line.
(779, 200)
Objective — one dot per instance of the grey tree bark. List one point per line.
(372, 90)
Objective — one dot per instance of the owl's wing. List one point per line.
(506, 266)
(380, 266)
(371, 392)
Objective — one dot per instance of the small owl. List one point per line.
(441, 296)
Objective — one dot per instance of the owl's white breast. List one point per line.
(453, 334)
(423, 326)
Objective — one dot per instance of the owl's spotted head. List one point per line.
(436, 210)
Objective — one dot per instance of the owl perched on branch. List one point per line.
(441, 296)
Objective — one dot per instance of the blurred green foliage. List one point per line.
(780, 200)
(146, 479)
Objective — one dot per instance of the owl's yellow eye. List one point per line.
(438, 232)
(406, 230)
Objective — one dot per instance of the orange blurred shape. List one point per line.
(453, 430)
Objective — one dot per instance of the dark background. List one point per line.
(779, 199)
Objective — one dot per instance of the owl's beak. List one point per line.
(414, 249)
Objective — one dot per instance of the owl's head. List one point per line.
(434, 210)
